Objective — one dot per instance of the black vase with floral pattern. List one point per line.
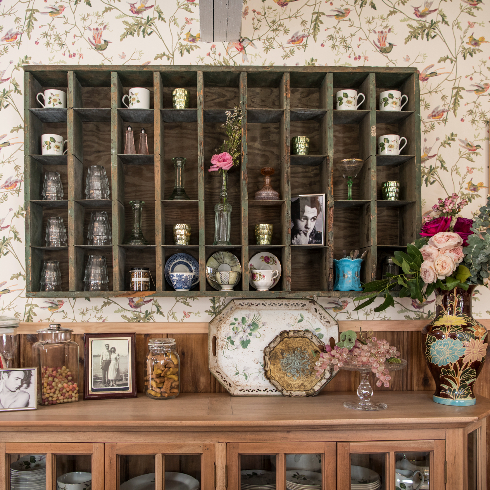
(455, 347)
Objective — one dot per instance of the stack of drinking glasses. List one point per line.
(55, 232)
(52, 188)
(97, 183)
(96, 277)
(50, 276)
(99, 229)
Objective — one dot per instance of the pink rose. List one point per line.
(429, 253)
(456, 254)
(445, 241)
(463, 228)
(444, 266)
(436, 226)
(223, 161)
(427, 272)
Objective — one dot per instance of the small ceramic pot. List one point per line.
(347, 274)
(391, 100)
(75, 481)
(262, 280)
(348, 100)
(138, 98)
(181, 281)
(227, 279)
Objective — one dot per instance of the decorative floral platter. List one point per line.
(241, 332)
(182, 262)
(289, 363)
(265, 261)
(221, 261)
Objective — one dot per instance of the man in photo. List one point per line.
(105, 362)
(13, 389)
(305, 211)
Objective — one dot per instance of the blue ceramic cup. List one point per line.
(347, 274)
(181, 281)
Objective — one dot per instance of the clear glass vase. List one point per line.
(179, 193)
(136, 237)
(222, 215)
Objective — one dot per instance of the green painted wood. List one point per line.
(74, 95)
(74, 229)
(285, 101)
(244, 185)
(200, 181)
(159, 178)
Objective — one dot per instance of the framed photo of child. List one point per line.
(18, 389)
(109, 365)
(308, 219)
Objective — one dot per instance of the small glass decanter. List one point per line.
(143, 143)
(222, 215)
(136, 237)
(179, 193)
(129, 142)
(267, 193)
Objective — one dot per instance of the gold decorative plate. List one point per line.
(289, 363)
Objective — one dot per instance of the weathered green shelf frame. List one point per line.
(368, 80)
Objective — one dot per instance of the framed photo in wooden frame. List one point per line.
(110, 367)
(18, 389)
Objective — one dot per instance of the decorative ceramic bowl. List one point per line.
(181, 281)
(75, 481)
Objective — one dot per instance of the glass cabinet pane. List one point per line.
(27, 471)
(72, 470)
(183, 471)
(473, 460)
(304, 471)
(257, 469)
(368, 471)
(412, 470)
(137, 471)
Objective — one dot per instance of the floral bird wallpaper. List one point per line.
(447, 41)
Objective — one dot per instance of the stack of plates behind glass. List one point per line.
(363, 478)
(29, 472)
(303, 480)
(258, 480)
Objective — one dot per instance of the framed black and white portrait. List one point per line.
(18, 389)
(308, 219)
(110, 366)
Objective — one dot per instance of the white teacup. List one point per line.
(227, 279)
(389, 144)
(75, 481)
(391, 100)
(52, 98)
(52, 144)
(411, 479)
(348, 100)
(138, 98)
(262, 280)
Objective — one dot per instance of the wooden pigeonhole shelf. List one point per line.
(277, 103)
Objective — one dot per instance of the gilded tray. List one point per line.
(289, 363)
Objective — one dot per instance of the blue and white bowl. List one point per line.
(181, 281)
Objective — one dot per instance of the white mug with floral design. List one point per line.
(348, 100)
(262, 280)
(392, 100)
(389, 144)
(138, 98)
(52, 144)
(52, 98)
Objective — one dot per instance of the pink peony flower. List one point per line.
(429, 253)
(456, 254)
(445, 241)
(223, 161)
(427, 272)
(444, 266)
(463, 228)
(436, 226)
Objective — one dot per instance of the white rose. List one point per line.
(444, 266)
(456, 254)
(427, 272)
(429, 253)
(445, 240)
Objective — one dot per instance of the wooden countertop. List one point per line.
(222, 412)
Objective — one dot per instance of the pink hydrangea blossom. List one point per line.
(445, 241)
(429, 253)
(427, 272)
(221, 161)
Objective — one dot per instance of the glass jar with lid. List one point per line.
(57, 361)
(9, 343)
(162, 369)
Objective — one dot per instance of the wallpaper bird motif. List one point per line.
(446, 41)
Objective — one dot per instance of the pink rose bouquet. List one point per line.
(453, 252)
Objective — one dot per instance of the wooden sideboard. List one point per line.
(214, 436)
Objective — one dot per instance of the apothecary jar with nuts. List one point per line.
(56, 356)
(162, 369)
